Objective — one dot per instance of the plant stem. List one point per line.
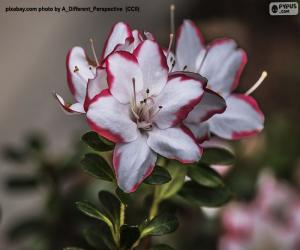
(122, 214)
(155, 204)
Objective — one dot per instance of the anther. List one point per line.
(160, 107)
(184, 68)
(147, 91)
(94, 52)
(256, 85)
(76, 69)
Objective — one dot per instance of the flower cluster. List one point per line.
(270, 221)
(149, 101)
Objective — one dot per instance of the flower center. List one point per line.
(145, 110)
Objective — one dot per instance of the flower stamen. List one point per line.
(94, 51)
(134, 92)
(172, 18)
(76, 70)
(170, 45)
(202, 61)
(263, 76)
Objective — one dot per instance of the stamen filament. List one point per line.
(257, 84)
(134, 92)
(170, 44)
(202, 61)
(94, 52)
(172, 18)
(156, 112)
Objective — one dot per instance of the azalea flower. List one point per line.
(222, 64)
(142, 112)
(270, 221)
(86, 77)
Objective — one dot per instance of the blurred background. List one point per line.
(40, 145)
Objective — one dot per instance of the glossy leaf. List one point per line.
(111, 205)
(204, 196)
(177, 172)
(129, 235)
(160, 225)
(99, 237)
(96, 166)
(161, 247)
(159, 176)
(205, 176)
(73, 248)
(123, 197)
(218, 156)
(96, 142)
(91, 211)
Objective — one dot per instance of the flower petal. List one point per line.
(199, 130)
(210, 104)
(111, 119)
(79, 70)
(223, 65)
(242, 118)
(175, 143)
(153, 65)
(118, 35)
(95, 86)
(190, 43)
(180, 95)
(122, 68)
(133, 162)
(76, 108)
(149, 36)
(138, 38)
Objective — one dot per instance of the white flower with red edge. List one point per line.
(142, 112)
(222, 64)
(86, 77)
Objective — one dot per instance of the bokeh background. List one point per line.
(33, 50)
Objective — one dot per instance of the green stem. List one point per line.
(122, 214)
(154, 205)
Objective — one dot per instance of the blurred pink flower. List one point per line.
(270, 221)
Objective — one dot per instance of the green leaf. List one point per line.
(159, 176)
(205, 176)
(217, 156)
(204, 196)
(22, 183)
(161, 247)
(35, 141)
(160, 225)
(14, 154)
(96, 142)
(129, 235)
(111, 205)
(99, 237)
(178, 172)
(91, 211)
(123, 197)
(96, 166)
(26, 227)
(73, 248)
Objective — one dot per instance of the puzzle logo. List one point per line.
(283, 8)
